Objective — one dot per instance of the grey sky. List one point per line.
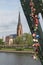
(9, 10)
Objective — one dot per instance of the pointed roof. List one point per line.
(19, 20)
(19, 26)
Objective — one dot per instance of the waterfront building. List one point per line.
(10, 37)
(19, 27)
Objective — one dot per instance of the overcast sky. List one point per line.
(9, 10)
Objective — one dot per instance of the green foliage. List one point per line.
(1, 42)
(18, 40)
(26, 39)
(19, 49)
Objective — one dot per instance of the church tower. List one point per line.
(19, 27)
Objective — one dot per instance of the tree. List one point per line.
(1, 42)
(18, 40)
(26, 39)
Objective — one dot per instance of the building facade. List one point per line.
(19, 27)
(9, 38)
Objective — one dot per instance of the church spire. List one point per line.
(19, 20)
(19, 26)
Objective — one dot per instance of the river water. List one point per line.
(17, 59)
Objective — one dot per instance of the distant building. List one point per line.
(9, 38)
(19, 27)
(10, 41)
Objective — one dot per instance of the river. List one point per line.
(17, 59)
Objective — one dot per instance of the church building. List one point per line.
(19, 31)
(19, 27)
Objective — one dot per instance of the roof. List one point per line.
(13, 35)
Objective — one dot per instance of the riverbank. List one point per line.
(13, 51)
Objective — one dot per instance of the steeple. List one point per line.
(19, 26)
(19, 20)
